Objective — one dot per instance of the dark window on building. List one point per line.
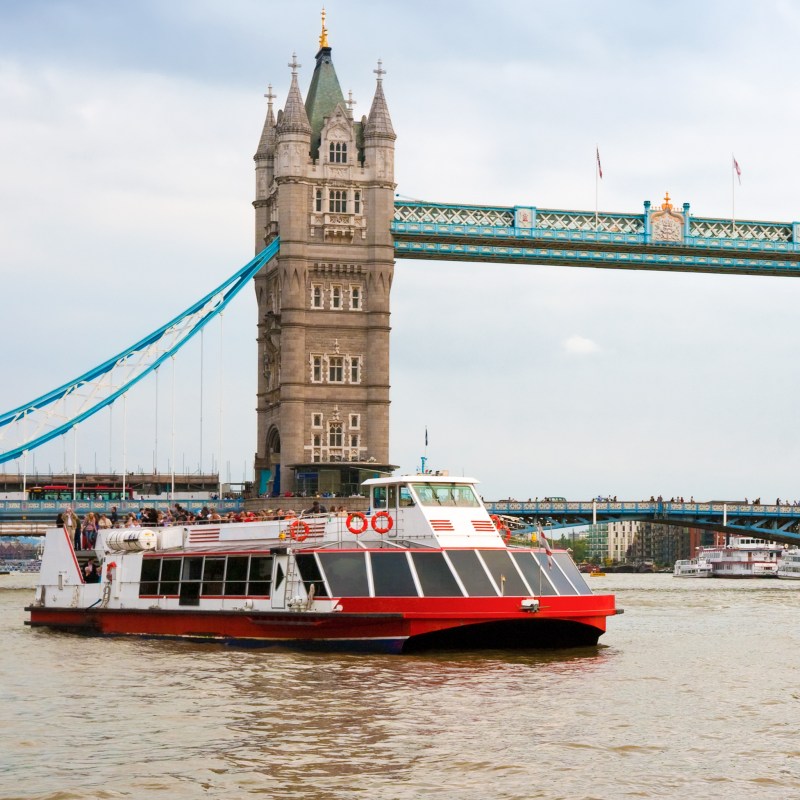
(236, 575)
(337, 201)
(391, 575)
(472, 573)
(346, 573)
(151, 567)
(435, 576)
(260, 575)
(318, 201)
(501, 566)
(338, 152)
(310, 574)
(530, 568)
(357, 202)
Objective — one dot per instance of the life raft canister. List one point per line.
(299, 530)
(383, 527)
(357, 530)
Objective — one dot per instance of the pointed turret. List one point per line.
(294, 118)
(324, 93)
(266, 145)
(379, 123)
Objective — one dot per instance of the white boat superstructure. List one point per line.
(789, 565)
(743, 557)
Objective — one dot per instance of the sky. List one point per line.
(127, 132)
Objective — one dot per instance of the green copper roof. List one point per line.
(323, 95)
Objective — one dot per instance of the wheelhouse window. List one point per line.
(446, 494)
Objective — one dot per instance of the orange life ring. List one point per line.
(383, 528)
(293, 530)
(364, 523)
(500, 525)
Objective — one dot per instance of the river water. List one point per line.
(692, 694)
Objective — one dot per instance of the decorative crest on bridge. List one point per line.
(667, 225)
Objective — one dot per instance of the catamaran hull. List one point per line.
(367, 632)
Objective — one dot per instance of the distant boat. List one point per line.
(789, 565)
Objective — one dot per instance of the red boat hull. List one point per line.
(372, 624)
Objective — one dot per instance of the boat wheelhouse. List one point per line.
(425, 568)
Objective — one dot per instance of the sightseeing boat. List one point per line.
(789, 564)
(692, 568)
(743, 557)
(425, 568)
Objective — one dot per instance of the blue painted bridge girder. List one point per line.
(658, 239)
(780, 523)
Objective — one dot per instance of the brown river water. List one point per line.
(693, 693)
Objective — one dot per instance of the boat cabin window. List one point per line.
(501, 568)
(537, 578)
(193, 577)
(435, 576)
(391, 575)
(346, 573)
(446, 494)
(472, 574)
(310, 574)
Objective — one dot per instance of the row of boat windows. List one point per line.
(481, 573)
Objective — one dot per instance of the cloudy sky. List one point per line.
(126, 139)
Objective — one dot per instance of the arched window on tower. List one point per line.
(335, 435)
(318, 201)
(338, 152)
(337, 201)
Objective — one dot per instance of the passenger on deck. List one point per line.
(316, 508)
(91, 573)
(72, 527)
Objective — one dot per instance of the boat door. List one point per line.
(280, 582)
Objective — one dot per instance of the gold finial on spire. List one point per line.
(666, 205)
(323, 37)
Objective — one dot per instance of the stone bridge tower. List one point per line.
(325, 185)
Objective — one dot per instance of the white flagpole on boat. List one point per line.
(219, 460)
(124, 443)
(74, 464)
(155, 455)
(172, 455)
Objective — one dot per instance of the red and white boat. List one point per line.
(426, 568)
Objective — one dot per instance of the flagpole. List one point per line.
(596, 181)
(733, 195)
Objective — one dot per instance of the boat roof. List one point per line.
(423, 477)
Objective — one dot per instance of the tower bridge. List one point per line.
(328, 229)
(774, 522)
